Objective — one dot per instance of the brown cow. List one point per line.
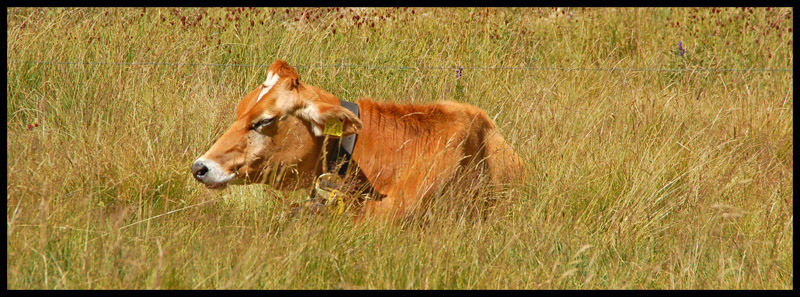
(404, 152)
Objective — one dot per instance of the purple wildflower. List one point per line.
(681, 50)
(458, 72)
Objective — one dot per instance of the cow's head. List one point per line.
(277, 135)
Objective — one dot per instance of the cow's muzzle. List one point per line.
(210, 173)
(199, 170)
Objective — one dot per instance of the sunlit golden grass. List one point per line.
(640, 178)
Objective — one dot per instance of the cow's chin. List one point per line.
(283, 180)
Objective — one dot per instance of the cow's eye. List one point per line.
(261, 123)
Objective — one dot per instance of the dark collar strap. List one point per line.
(349, 142)
(344, 150)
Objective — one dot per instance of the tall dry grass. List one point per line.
(640, 179)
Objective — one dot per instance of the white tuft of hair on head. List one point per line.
(270, 82)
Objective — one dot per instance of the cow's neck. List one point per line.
(369, 152)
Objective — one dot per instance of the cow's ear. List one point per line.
(284, 70)
(330, 119)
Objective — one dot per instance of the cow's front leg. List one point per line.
(393, 206)
(386, 208)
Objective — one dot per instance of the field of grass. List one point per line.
(641, 177)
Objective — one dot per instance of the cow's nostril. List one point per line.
(199, 170)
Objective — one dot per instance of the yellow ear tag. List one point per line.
(333, 126)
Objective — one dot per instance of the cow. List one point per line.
(403, 152)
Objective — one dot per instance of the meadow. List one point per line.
(659, 142)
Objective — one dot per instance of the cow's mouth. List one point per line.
(223, 184)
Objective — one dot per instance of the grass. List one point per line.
(639, 180)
